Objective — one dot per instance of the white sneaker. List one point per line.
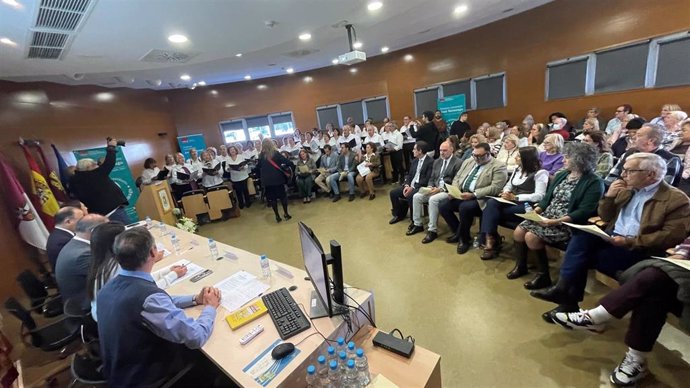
(578, 321)
(628, 372)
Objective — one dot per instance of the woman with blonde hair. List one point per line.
(665, 110)
(509, 153)
(493, 137)
(474, 140)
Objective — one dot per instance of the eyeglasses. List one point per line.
(628, 171)
(479, 156)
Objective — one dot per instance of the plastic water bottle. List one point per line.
(350, 379)
(341, 345)
(213, 248)
(476, 243)
(528, 208)
(322, 371)
(175, 243)
(362, 368)
(331, 354)
(351, 351)
(265, 266)
(149, 223)
(312, 378)
(163, 229)
(333, 374)
(342, 362)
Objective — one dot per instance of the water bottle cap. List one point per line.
(262, 257)
(360, 352)
(350, 345)
(341, 340)
(331, 350)
(342, 355)
(321, 360)
(210, 240)
(311, 369)
(351, 364)
(333, 364)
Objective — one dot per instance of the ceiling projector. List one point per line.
(352, 57)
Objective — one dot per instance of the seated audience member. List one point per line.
(145, 336)
(527, 184)
(393, 145)
(571, 196)
(508, 153)
(644, 214)
(305, 169)
(592, 114)
(615, 122)
(477, 178)
(347, 169)
(560, 126)
(441, 126)
(373, 137)
(460, 126)
(537, 134)
(420, 172)
(238, 168)
(684, 184)
(590, 125)
(354, 141)
(65, 223)
(665, 110)
(354, 128)
(552, 158)
(626, 140)
(442, 173)
(672, 124)
(181, 184)
(683, 143)
(271, 169)
(151, 171)
(648, 139)
(473, 142)
(521, 132)
(493, 137)
(427, 132)
(329, 165)
(605, 162)
(337, 133)
(211, 176)
(91, 184)
(195, 162)
(73, 262)
(504, 128)
(373, 162)
(622, 128)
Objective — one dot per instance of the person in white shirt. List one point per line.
(408, 141)
(291, 148)
(151, 171)
(368, 124)
(211, 175)
(180, 186)
(223, 160)
(329, 129)
(212, 152)
(665, 110)
(615, 123)
(348, 136)
(354, 128)
(238, 168)
(312, 146)
(194, 161)
(373, 137)
(393, 144)
(509, 153)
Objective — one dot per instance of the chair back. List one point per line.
(15, 308)
(33, 288)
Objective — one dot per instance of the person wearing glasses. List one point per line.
(644, 216)
(478, 177)
(615, 123)
(552, 158)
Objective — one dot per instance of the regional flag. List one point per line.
(53, 180)
(41, 195)
(62, 168)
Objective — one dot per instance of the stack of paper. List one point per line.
(192, 269)
(239, 289)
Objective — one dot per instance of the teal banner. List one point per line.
(121, 175)
(451, 107)
(192, 141)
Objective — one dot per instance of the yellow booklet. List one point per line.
(246, 314)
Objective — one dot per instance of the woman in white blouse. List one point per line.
(526, 185)
(151, 171)
(311, 145)
(509, 153)
(211, 171)
(238, 168)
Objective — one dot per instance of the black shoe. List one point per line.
(287, 217)
(278, 219)
(395, 220)
(372, 196)
(351, 198)
(517, 272)
(542, 280)
(430, 236)
(336, 197)
(561, 308)
(329, 194)
(463, 247)
(415, 229)
(454, 239)
(410, 226)
(555, 294)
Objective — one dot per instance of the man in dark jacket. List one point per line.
(420, 172)
(65, 222)
(428, 132)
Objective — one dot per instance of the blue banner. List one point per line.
(451, 107)
(120, 174)
(191, 141)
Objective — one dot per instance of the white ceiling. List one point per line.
(116, 34)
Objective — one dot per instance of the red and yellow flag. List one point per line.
(41, 195)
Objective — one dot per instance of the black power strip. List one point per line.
(394, 344)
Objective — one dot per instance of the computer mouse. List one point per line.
(282, 350)
(292, 288)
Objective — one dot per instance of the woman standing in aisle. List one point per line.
(272, 169)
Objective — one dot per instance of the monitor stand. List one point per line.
(318, 310)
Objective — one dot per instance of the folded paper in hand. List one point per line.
(454, 191)
(363, 169)
(681, 263)
(532, 216)
(503, 200)
(592, 229)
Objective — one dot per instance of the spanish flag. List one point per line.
(41, 195)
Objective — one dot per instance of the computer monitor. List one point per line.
(316, 264)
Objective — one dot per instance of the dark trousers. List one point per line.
(400, 204)
(467, 211)
(242, 192)
(587, 251)
(407, 155)
(398, 172)
(495, 212)
(650, 295)
(120, 215)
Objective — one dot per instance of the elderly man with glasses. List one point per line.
(479, 177)
(645, 215)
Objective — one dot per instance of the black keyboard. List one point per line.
(285, 313)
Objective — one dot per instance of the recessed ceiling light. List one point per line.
(13, 3)
(7, 41)
(247, 77)
(384, 49)
(308, 79)
(262, 87)
(335, 61)
(201, 83)
(460, 9)
(357, 45)
(105, 96)
(353, 70)
(229, 105)
(238, 55)
(185, 77)
(214, 92)
(408, 58)
(305, 36)
(177, 38)
(290, 70)
(374, 5)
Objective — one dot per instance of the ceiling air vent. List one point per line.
(166, 56)
(62, 15)
(44, 53)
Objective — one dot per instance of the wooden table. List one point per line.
(422, 369)
(223, 348)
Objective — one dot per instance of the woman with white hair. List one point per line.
(552, 158)
(509, 153)
(665, 110)
(672, 123)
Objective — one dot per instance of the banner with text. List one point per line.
(451, 107)
(191, 141)
(121, 175)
